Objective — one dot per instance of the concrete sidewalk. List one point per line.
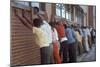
(87, 57)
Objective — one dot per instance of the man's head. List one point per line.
(36, 10)
(58, 22)
(37, 22)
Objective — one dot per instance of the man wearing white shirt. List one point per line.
(47, 29)
(89, 37)
(86, 46)
(48, 32)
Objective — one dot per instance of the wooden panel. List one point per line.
(23, 49)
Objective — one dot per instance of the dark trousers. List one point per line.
(69, 52)
(94, 39)
(45, 55)
(83, 43)
(89, 41)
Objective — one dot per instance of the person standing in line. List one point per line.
(48, 32)
(55, 44)
(94, 36)
(82, 34)
(35, 13)
(42, 41)
(79, 41)
(93, 33)
(63, 41)
(71, 44)
(86, 45)
(89, 37)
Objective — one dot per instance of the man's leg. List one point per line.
(65, 51)
(72, 53)
(45, 55)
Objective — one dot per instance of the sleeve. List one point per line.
(74, 35)
(33, 30)
(56, 34)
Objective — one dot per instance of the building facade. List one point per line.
(23, 49)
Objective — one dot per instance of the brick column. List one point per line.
(90, 16)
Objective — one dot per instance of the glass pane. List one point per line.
(63, 11)
(66, 15)
(69, 16)
(58, 12)
(20, 2)
(35, 4)
(26, 3)
(42, 6)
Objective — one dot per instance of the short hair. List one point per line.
(36, 8)
(52, 23)
(65, 26)
(37, 22)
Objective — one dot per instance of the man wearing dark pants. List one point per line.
(41, 41)
(48, 32)
(63, 39)
(64, 49)
(71, 44)
(69, 52)
(45, 55)
(72, 52)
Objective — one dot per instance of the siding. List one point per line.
(23, 49)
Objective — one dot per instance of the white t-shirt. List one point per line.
(88, 32)
(54, 35)
(47, 30)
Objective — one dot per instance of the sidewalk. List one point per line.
(87, 57)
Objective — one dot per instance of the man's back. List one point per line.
(61, 30)
(70, 35)
(47, 30)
